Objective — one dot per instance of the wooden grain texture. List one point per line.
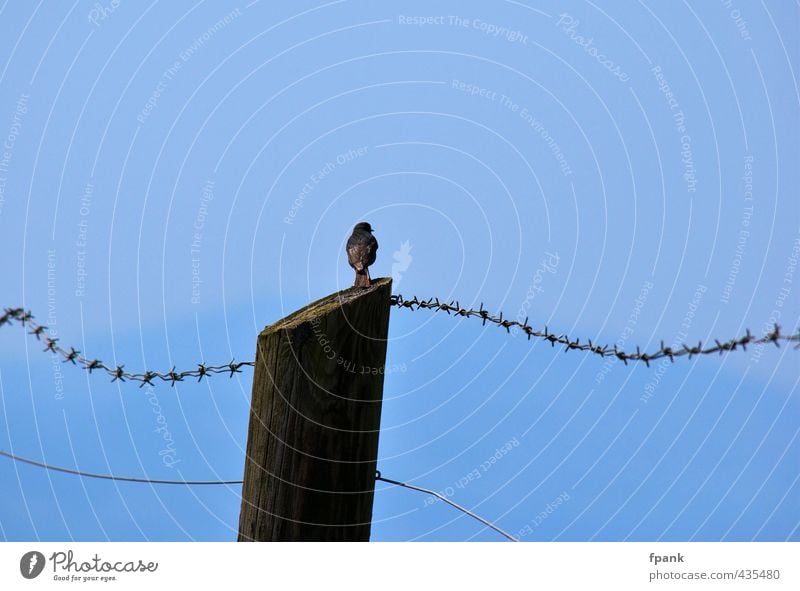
(312, 443)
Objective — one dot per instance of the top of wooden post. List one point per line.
(323, 306)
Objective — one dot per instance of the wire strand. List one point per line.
(111, 476)
(378, 476)
(775, 336)
(441, 497)
(72, 355)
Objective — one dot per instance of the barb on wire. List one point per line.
(774, 336)
(17, 458)
(74, 356)
(441, 497)
(71, 355)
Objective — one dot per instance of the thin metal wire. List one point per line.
(112, 477)
(378, 476)
(441, 497)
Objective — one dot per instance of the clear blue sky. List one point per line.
(177, 175)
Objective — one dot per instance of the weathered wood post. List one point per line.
(312, 444)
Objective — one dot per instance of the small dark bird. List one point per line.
(361, 250)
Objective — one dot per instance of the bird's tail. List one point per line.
(362, 279)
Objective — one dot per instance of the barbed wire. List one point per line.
(453, 308)
(74, 356)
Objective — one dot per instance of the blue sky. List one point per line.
(177, 175)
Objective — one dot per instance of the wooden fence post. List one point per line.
(312, 443)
